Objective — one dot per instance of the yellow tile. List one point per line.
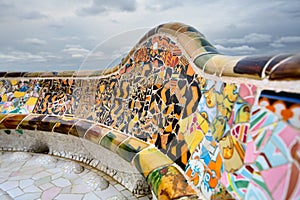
(31, 101)
(18, 94)
(14, 82)
(149, 159)
(4, 98)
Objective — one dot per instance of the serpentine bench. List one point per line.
(175, 116)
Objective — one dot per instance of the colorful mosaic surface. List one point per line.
(175, 105)
(31, 176)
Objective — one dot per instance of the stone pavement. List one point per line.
(34, 176)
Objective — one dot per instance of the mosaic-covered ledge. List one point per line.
(128, 148)
(230, 123)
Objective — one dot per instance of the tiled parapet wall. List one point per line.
(227, 124)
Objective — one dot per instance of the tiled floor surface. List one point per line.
(31, 176)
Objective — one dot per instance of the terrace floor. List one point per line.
(35, 176)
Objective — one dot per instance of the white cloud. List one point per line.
(257, 38)
(237, 50)
(158, 5)
(66, 38)
(252, 38)
(289, 39)
(102, 6)
(277, 45)
(35, 41)
(282, 41)
(76, 51)
(19, 56)
(8, 57)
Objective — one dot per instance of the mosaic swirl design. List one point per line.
(176, 105)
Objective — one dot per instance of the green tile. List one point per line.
(130, 147)
(112, 140)
(202, 59)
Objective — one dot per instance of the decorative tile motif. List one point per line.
(272, 144)
(49, 122)
(11, 121)
(64, 125)
(18, 96)
(31, 122)
(112, 140)
(207, 113)
(95, 133)
(80, 128)
(168, 183)
(150, 159)
(57, 96)
(130, 148)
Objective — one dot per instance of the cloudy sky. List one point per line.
(75, 34)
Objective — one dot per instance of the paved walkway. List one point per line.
(31, 176)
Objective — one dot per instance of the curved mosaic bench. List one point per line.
(190, 120)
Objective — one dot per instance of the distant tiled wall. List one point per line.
(217, 117)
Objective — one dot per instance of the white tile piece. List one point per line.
(40, 175)
(109, 192)
(54, 170)
(61, 182)
(57, 175)
(46, 186)
(26, 183)
(66, 190)
(28, 196)
(31, 189)
(15, 192)
(91, 196)
(69, 196)
(9, 185)
(28, 169)
(19, 177)
(43, 180)
(80, 189)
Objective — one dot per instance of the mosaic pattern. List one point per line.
(26, 176)
(176, 105)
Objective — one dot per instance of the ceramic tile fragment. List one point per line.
(31, 122)
(131, 147)
(275, 60)
(64, 125)
(48, 123)
(11, 121)
(96, 133)
(15, 192)
(149, 159)
(288, 69)
(163, 180)
(252, 66)
(80, 128)
(112, 140)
